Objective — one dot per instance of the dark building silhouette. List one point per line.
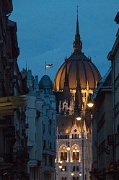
(13, 152)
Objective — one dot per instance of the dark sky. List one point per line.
(46, 31)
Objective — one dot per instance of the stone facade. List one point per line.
(41, 120)
(73, 85)
(75, 162)
(114, 57)
(102, 129)
(106, 121)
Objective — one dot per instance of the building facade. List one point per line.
(102, 130)
(114, 57)
(13, 151)
(73, 86)
(41, 133)
(106, 120)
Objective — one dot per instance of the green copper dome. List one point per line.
(45, 83)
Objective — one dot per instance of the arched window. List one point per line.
(63, 154)
(75, 154)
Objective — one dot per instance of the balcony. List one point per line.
(9, 104)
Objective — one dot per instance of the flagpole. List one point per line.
(45, 67)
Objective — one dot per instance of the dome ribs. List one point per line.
(86, 79)
(77, 65)
(94, 78)
(71, 84)
(96, 74)
(61, 81)
(87, 71)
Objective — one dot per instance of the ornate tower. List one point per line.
(74, 83)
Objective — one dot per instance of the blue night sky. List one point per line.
(46, 31)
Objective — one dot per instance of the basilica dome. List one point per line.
(77, 67)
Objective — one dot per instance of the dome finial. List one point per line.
(77, 42)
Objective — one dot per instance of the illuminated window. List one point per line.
(63, 154)
(75, 154)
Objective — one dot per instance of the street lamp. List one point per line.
(90, 103)
(72, 174)
(80, 174)
(78, 118)
(60, 165)
(63, 169)
(68, 147)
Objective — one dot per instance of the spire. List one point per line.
(66, 92)
(77, 42)
(77, 24)
(78, 96)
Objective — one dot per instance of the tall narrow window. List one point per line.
(63, 154)
(75, 156)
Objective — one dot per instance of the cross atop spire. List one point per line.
(77, 42)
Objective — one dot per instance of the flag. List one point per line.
(49, 65)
